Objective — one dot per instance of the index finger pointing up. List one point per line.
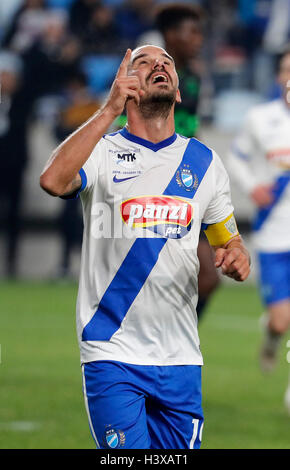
(122, 71)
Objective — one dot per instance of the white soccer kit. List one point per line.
(143, 206)
(261, 155)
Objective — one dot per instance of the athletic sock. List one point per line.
(272, 340)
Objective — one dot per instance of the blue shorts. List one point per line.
(143, 407)
(274, 276)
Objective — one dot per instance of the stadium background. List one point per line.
(41, 404)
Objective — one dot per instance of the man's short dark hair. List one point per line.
(172, 15)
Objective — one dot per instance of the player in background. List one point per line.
(181, 27)
(136, 318)
(259, 162)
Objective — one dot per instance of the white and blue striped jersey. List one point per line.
(261, 155)
(143, 206)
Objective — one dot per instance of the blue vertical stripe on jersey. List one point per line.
(278, 190)
(142, 257)
(197, 158)
(123, 289)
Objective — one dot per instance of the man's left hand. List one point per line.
(234, 262)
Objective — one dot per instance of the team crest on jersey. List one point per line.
(186, 179)
(113, 439)
(169, 216)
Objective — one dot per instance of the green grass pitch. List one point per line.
(41, 404)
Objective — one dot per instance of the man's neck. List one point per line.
(155, 129)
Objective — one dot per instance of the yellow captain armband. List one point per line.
(222, 232)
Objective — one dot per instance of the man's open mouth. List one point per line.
(160, 78)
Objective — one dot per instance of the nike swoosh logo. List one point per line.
(119, 180)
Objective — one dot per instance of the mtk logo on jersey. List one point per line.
(168, 216)
(127, 157)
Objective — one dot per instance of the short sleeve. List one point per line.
(243, 148)
(220, 206)
(90, 171)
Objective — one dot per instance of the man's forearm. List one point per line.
(60, 175)
(68, 158)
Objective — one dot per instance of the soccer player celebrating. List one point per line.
(260, 162)
(145, 192)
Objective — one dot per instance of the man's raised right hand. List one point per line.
(124, 87)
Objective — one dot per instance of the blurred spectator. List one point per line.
(101, 34)
(253, 20)
(133, 18)
(46, 66)
(76, 107)
(52, 59)
(80, 14)
(61, 4)
(277, 34)
(7, 10)
(26, 25)
(225, 57)
(16, 104)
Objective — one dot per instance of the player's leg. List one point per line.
(208, 279)
(279, 316)
(276, 326)
(275, 292)
(175, 417)
(115, 404)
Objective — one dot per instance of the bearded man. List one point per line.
(146, 192)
